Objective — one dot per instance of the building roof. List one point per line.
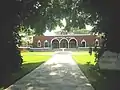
(72, 35)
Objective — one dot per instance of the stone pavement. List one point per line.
(58, 73)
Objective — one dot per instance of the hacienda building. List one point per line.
(66, 41)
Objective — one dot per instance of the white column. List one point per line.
(51, 45)
(76, 44)
(59, 44)
(68, 44)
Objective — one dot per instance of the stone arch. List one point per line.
(38, 43)
(55, 43)
(73, 43)
(83, 43)
(64, 43)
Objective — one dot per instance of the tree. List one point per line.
(26, 34)
(10, 55)
(50, 13)
(103, 15)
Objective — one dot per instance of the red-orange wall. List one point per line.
(90, 39)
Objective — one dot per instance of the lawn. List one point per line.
(85, 62)
(87, 65)
(31, 60)
(36, 53)
(35, 57)
(83, 57)
(107, 80)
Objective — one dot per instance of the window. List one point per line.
(46, 43)
(96, 42)
(38, 43)
(83, 43)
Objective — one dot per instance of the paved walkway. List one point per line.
(58, 73)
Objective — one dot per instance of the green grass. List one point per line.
(83, 57)
(35, 57)
(87, 65)
(100, 80)
(37, 53)
(85, 62)
(31, 60)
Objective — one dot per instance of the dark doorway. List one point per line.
(64, 43)
(55, 43)
(72, 43)
(83, 44)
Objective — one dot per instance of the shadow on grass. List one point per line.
(26, 68)
(101, 80)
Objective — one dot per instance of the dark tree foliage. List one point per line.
(50, 13)
(10, 58)
(105, 14)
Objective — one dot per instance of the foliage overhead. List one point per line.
(50, 14)
(103, 15)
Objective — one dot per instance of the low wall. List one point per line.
(40, 49)
(77, 49)
(58, 49)
(24, 49)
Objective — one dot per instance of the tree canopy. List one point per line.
(103, 15)
(76, 12)
(50, 14)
